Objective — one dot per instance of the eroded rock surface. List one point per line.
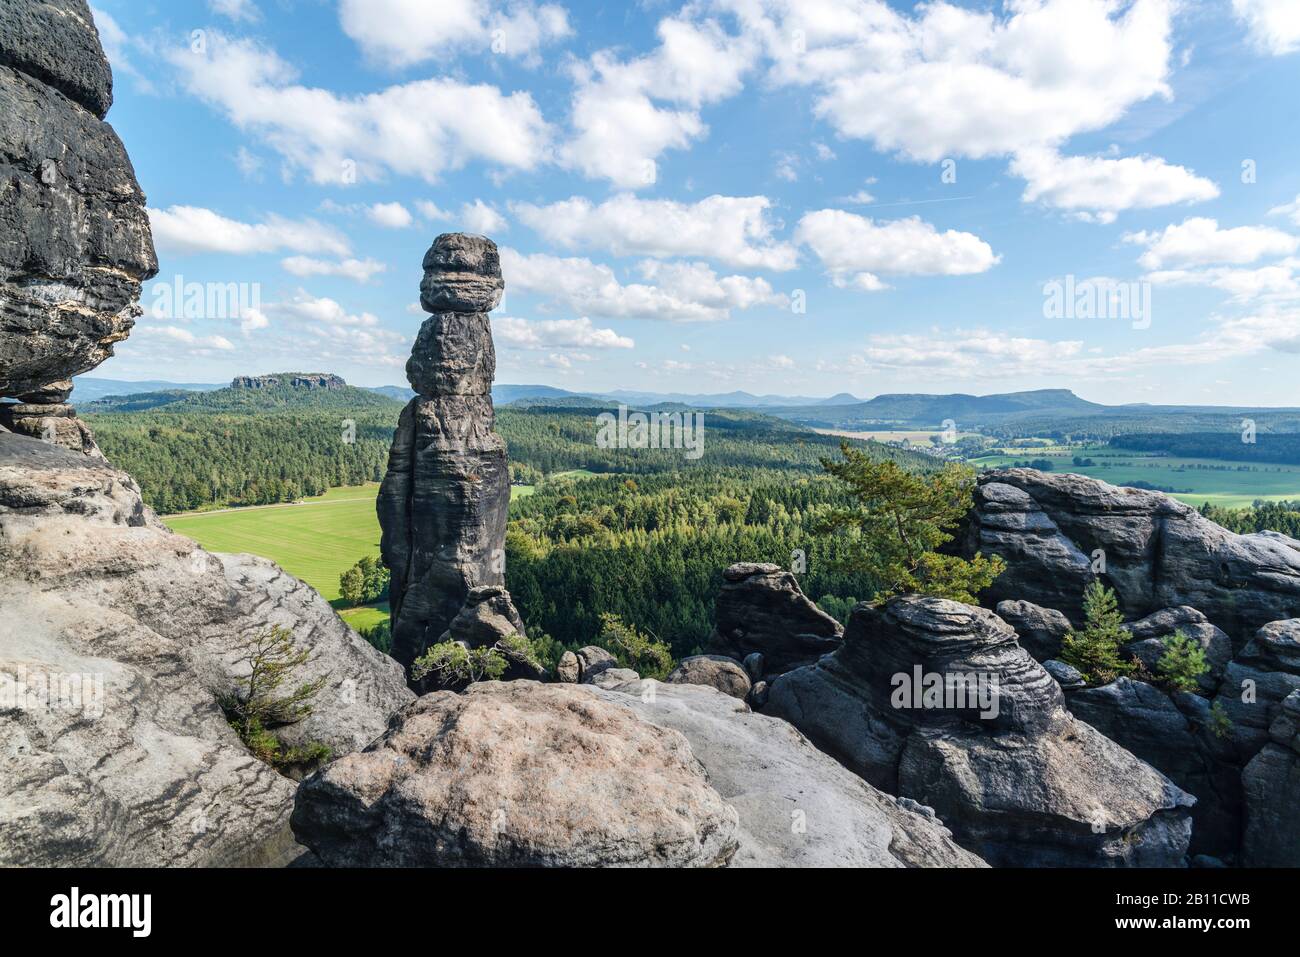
(443, 503)
(797, 807)
(518, 774)
(715, 671)
(93, 585)
(1013, 774)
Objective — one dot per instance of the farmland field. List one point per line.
(1196, 481)
(316, 540)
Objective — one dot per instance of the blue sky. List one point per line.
(791, 196)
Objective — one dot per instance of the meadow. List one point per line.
(317, 539)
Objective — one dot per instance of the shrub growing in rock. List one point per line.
(1094, 650)
(1182, 664)
(633, 649)
(451, 664)
(259, 703)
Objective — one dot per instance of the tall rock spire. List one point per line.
(444, 500)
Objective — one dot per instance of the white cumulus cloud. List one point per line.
(1101, 187)
(1274, 25)
(193, 229)
(552, 333)
(1199, 241)
(406, 32)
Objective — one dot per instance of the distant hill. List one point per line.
(842, 398)
(932, 411)
(89, 389)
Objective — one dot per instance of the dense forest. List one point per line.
(651, 549)
(1279, 448)
(237, 447)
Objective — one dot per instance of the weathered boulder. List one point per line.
(1067, 676)
(568, 670)
(725, 674)
(1040, 630)
(936, 701)
(517, 774)
(442, 506)
(75, 244)
(1272, 794)
(593, 660)
(489, 619)
(760, 608)
(797, 807)
(610, 677)
(92, 584)
(1158, 553)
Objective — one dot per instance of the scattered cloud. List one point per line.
(390, 215)
(735, 230)
(402, 33)
(479, 217)
(1274, 25)
(856, 249)
(1099, 188)
(1290, 210)
(1199, 241)
(241, 11)
(626, 113)
(680, 292)
(193, 229)
(552, 333)
(358, 270)
(422, 129)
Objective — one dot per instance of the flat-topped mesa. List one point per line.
(293, 380)
(443, 503)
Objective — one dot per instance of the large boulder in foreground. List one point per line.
(797, 806)
(1054, 529)
(993, 750)
(517, 774)
(760, 608)
(98, 594)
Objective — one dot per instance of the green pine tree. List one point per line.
(1095, 649)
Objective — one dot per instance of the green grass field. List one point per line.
(1227, 484)
(316, 540)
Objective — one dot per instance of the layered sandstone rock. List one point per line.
(1272, 789)
(1012, 773)
(444, 501)
(1052, 529)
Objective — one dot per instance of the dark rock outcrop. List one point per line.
(1150, 633)
(1052, 529)
(1041, 630)
(75, 244)
(994, 752)
(760, 608)
(1272, 794)
(444, 500)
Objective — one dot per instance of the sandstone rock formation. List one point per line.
(517, 774)
(1272, 786)
(761, 608)
(117, 637)
(1040, 630)
(301, 380)
(93, 585)
(1019, 783)
(1158, 553)
(715, 671)
(75, 244)
(797, 807)
(443, 503)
